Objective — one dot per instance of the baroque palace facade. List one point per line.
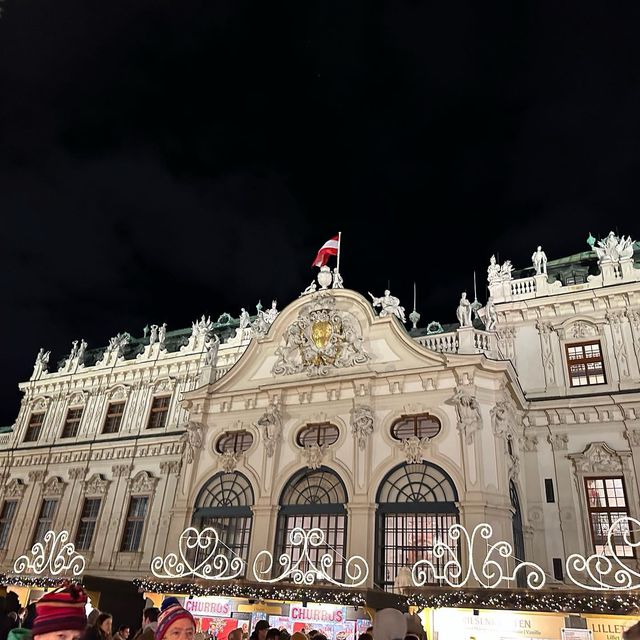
(327, 414)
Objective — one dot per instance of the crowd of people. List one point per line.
(61, 615)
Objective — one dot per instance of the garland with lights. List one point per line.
(42, 582)
(522, 600)
(253, 592)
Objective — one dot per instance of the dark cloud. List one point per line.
(161, 160)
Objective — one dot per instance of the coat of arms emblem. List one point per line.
(322, 337)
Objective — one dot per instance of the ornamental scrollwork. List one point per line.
(54, 555)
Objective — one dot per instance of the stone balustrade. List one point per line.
(464, 340)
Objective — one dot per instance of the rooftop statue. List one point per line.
(154, 334)
(310, 289)
(212, 352)
(42, 360)
(81, 349)
(463, 312)
(614, 249)
(539, 260)
(162, 334)
(490, 315)
(390, 305)
(493, 270)
(338, 282)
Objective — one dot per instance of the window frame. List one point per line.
(28, 433)
(127, 518)
(109, 415)
(585, 361)
(153, 411)
(75, 421)
(322, 430)
(6, 525)
(95, 523)
(239, 435)
(415, 418)
(56, 501)
(607, 510)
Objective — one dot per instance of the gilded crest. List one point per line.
(322, 337)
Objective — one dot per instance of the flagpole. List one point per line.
(338, 261)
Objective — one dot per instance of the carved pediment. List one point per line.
(77, 398)
(119, 392)
(14, 489)
(578, 329)
(598, 457)
(53, 487)
(143, 482)
(96, 485)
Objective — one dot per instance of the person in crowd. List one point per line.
(174, 621)
(320, 636)
(60, 614)
(299, 635)
(632, 633)
(149, 624)
(284, 634)
(235, 634)
(19, 634)
(312, 634)
(260, 630)
(370, 631)
(273, 634)
(390, 624)
(122, 633)
(101, 629)
(366, 636)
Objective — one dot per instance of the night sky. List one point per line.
(163, 159)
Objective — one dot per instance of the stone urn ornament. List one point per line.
(324, 277)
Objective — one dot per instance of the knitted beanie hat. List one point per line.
(61, 610)
(170, 612)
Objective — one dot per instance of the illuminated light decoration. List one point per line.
(600, 566)
(356, 567)
(54, 555)
(213, 566)
(490, 574)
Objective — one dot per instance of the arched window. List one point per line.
(323, 433)
(224, 503)
(315, 498)
(422, 425)
(236, 441)
(518, 536)
(416, 507)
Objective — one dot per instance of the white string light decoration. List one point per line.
(600, 566)
(210, 562)
(305, 570)
(491, 573)
(54, 555)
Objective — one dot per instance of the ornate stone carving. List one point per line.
(389, 305)
(529, 442)
(413, 449)
(264, 320)
(229, 460)
(270, 424)
(170, 466)
(37, 475)
(613, 248)
(121, 470)
(96, 485)
(77, 473)
(41, 364)
(463, 311)
(504, 415)
(558, 441)
(321, 338)
(14, 489)
(615, 319)
(201, 331)
(633, 436)
(313, 455)
(498, 273)
(597, 457)
(143, 482)
(545, 329)
(193, 440)
(539, 261)
(115, 349)
(54, 487)
(468, 411)
(506, 342)
(581, 329)
(361, 424)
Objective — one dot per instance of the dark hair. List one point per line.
(261, 624)
(370, 630)
(313, 633)
(273, 633)
(122, 627)
(101, 618)
(366, 636)
(151, 614)
(632, 633)
(320, 636)
(411, 636)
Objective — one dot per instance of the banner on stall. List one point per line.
(207, 607)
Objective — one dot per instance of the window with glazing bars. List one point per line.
(45, 519)
(159, 412)
(34, 426)
(115, 411)
(87, 524)
(6, 519)
(607, 502)
(586, 365)
(324, 433)
(134, 525)
(236, 441)
(72, 423)
(422, 426)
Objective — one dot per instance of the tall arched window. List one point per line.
(224, 503)
(518, 536)
(315, 499)
(416, 507)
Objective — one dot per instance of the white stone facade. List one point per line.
(508, 417)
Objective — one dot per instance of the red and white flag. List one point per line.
(329, 248)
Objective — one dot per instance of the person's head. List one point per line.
(60, 614)
(149, 615)
(411, 636)
(313, 633)
(370, 630)
(92, 617)
(365, 636)
(299, 635)
(174, 622)
(123, 632)
(104, 623)
(320, 636)
(273, 634)
(262, 626)
(632, 633)
(235, 634)
(390, 624)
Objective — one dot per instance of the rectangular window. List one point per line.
(607, 501)
(135, 524)
(6, 518)
(586, 366)
(115, 411)
(72, 423)
(88, 521)
(45, 519)
(159, 411)
(558, 573)
(548, 489)
(33, 429)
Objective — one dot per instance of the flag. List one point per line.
(329, 248)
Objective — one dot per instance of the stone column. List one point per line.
(361, 535)
(466, 342)
(263, 529)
